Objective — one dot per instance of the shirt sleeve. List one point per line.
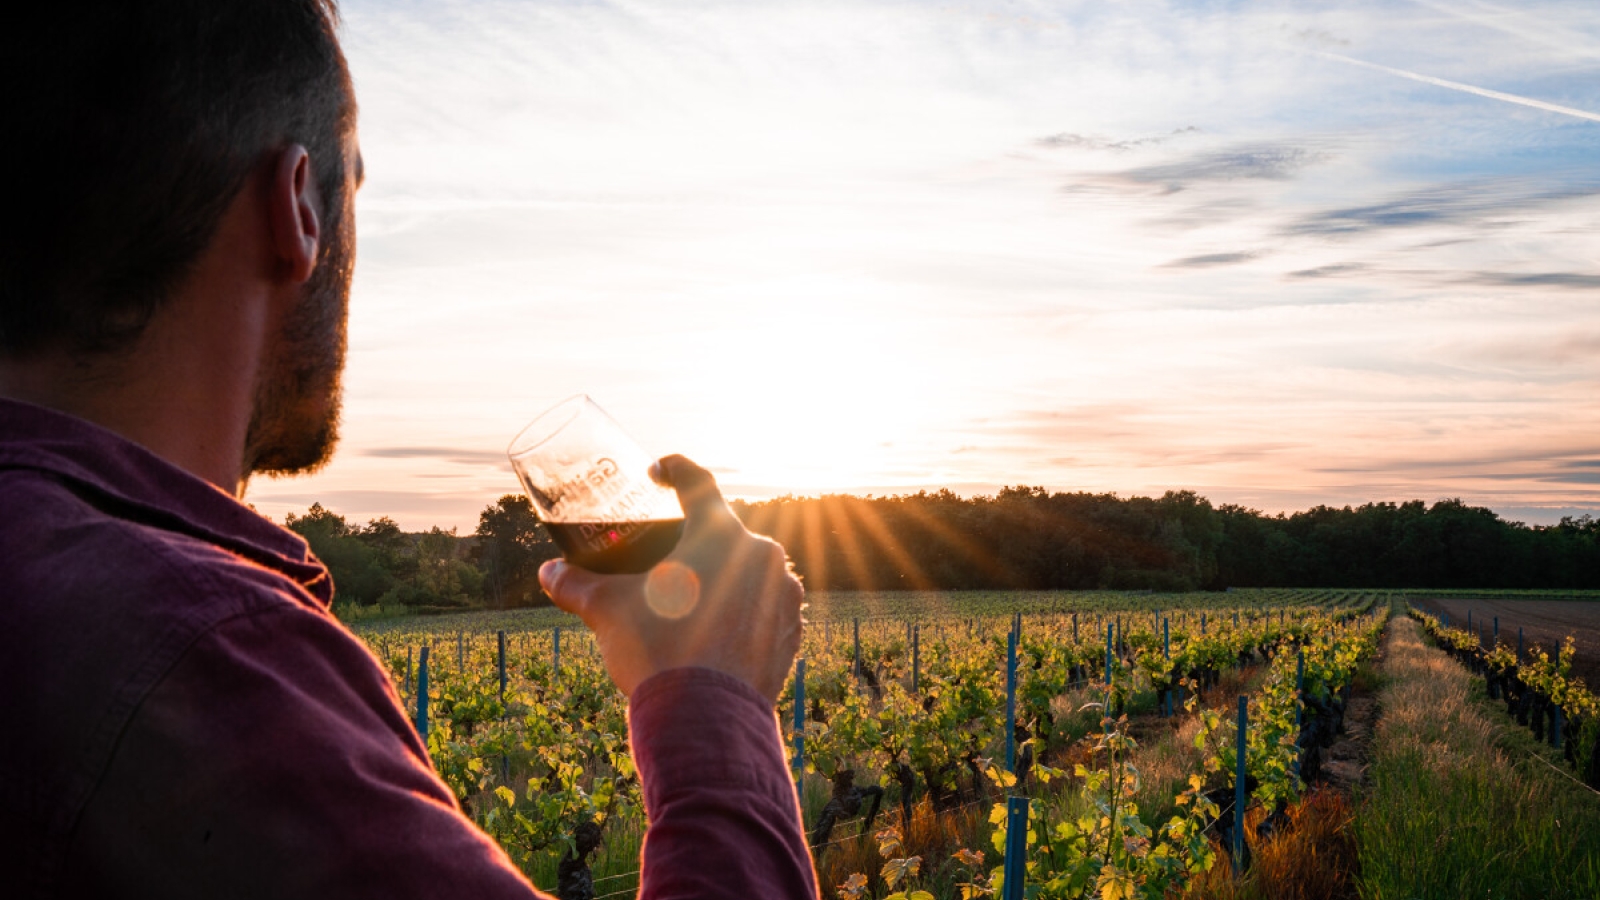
(273, 761)
(724, 815)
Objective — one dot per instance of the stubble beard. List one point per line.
(294, 426)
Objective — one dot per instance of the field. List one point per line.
(1544, 623)
(909, 767)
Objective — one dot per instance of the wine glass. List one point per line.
(591, 489)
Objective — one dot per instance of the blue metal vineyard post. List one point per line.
(1166, 653)
(501, 636)
(1555, 725)
(856, 666)
(1238, 789)
(1106, 717)
(1299, 705)
(422, 694)
(1236, 620)
(799, 718)
(461, 651)
(916, 658)
(1202, 624)
(1016, 862)
(1074, 628)
(555, 652)
(505, 760)
(1497, 631)
(1446, 619)
(1011, 700)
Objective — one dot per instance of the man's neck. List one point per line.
(172, 411)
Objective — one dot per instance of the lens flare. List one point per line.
(672, 590)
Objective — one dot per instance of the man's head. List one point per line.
(134, 126)
(295, 422)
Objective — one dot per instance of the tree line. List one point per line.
(1020, 538)
(1029, 538)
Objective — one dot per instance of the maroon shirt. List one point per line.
(183, 717)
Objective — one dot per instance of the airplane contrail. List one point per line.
(1512, 22)
(1470, 89)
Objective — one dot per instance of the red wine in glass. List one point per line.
(616, 548)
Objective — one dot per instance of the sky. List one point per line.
(1281, 254)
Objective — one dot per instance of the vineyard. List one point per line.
(1118, 776)
(1539, 690)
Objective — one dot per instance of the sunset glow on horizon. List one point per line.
(1278, 254)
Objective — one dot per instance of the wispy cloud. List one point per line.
(1573, 478)
(1269, 162)
(1069, 140)
(1482, 203)
(1212, 260)
(459, 455)
(415, 510)
(1331, 271)
(1538, 462)
(1576, 280)
(1537, 350)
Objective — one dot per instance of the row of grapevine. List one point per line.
(1539, 691)
(1112, 851)
(532, 737)
(935, 731)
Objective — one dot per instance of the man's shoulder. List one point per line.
(66, 557)
(190, 713)
(98, 608)
(100, 604)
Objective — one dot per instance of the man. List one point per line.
(183, 717)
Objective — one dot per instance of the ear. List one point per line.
(293, 204)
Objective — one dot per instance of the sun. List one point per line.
(825, 397)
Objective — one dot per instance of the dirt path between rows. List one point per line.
(1345, 763)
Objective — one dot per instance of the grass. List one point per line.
(1455, 805)
(934, 836)
(1312, 857)
(615, 865)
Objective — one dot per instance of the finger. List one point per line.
(697, 489)
(571, 588)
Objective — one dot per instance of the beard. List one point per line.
(294, 426)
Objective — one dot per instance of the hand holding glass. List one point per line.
(590, 487)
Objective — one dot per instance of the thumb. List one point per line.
(571, 588)
(697, 489)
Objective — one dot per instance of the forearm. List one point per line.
(724, 818)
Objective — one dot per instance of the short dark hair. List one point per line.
(133, 124)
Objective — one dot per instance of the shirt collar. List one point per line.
(128, 481)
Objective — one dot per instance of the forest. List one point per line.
(1019, 538)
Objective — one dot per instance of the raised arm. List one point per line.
(701, 645)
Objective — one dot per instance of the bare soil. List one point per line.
(1544, 623)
